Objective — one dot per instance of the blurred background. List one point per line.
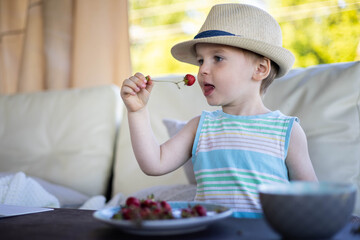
(58, 44)
(316, 31)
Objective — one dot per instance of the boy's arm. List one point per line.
(154, 159)
(298, 159)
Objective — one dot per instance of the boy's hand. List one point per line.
(135, 92)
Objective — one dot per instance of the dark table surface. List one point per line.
(80, 224)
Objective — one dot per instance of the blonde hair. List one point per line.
(265, 83)
(270, 78)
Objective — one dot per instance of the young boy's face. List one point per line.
(225, 75)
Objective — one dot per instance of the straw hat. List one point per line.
(243, 26)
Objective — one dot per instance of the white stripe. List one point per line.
(231, 189)
(254, 121)
(230, 195)
(238, 202)
(245, 138)
(246, 141)
(227, 198)
(260, 150)
(238, 170)
(242, 187)
(239, 181)
(240, 135)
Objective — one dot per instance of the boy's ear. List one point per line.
(262, 70)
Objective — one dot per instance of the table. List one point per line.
(79, 224)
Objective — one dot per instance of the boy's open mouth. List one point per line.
(208, 89)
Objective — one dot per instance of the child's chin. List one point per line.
(212, 103)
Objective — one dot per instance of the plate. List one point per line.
(166, 227)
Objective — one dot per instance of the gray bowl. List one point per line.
(306, 209)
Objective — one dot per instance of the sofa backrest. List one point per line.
(65, 137)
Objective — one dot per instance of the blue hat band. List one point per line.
(213, 33)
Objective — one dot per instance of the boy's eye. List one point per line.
(218, 59)
(200, 61)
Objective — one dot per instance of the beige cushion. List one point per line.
(173, 126)
(166, 101)
(64, 137)
(326, 99)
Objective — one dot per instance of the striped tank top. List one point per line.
(232, 155)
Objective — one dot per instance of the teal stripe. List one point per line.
(265, 164)
(251, 189)
(271, 122)
(247, 215)
(228, 190)
(237, 172)
(227, 185)
(230, 178)
(207, 131)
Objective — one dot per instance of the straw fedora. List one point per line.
(243, 26)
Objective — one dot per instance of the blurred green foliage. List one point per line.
(328, 33)
(316, 31)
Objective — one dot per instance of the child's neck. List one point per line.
(246, 109)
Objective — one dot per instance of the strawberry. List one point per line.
(200, 210)
(147, 203)
(188, 80)
(145, 213)
(165, 206)
(195, 211)
(126, 213)
(157, 213)
(150, 209)
(132, 201)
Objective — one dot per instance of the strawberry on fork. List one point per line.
(188, 80)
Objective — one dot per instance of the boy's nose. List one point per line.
(204, 69)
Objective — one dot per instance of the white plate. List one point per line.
(166, 227)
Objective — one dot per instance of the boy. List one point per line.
(239, 52)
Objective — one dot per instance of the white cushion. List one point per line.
(326, 99)
(64, 137)
(173, 126)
